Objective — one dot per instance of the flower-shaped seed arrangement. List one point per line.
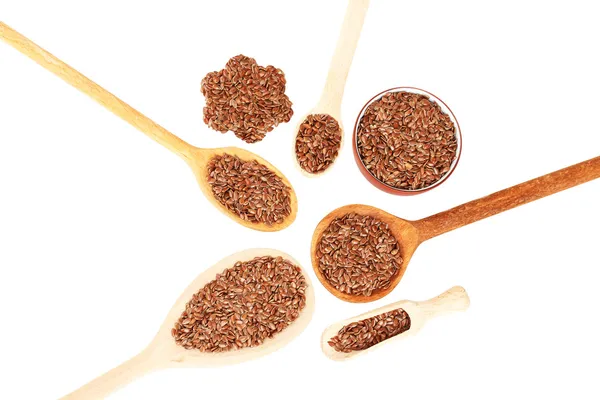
(245, 98)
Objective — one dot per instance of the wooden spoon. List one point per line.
(419, 312)
(333, 92)
(163, 352)
(195, 157)
(411, 234)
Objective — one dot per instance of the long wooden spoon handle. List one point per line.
(508, 198)
(453, 299)
(331, 99)
(114, 379)
(102, 96)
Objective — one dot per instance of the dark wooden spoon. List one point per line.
(411, 234)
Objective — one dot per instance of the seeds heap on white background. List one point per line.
(245, 98)
(318, 142)
(358, 254)
(368, 332)
(245, 304)
(406, 141)
(249, 189)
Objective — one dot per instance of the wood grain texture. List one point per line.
(196, 158)
(333, 92)
(147, 361)
(453, 300)
(411, 234)
(506, 199)
(96, 92)
(163, 352)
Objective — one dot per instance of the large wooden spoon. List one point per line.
(419, 312)
(411, 234)
(196, 158)
(163, 352)
(330, 102)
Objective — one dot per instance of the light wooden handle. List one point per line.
(454, 299)
(102, 96)
(116, 378)
(331, 99)
(508, 198)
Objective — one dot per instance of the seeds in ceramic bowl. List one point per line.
(318, 142)
(245, 98)
(249, 189)
(406, 141)
(358, 254)
(368, 332)
(243, 306)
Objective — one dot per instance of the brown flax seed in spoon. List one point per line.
(248, 305)
(319, 136)
(243, 306)
(265, 201)
(340, 254)
(400, 320)
(358, 254)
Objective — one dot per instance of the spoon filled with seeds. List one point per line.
(241, 184)
(399, 320)
(247, 305)
(320, 134)
(360, 253)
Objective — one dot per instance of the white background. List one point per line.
(101, 229)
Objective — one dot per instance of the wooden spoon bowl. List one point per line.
(199, 164)
(419, 312)
(197, 158)
(404, 231)
(410, 234)
(330, 102)
(163, 352)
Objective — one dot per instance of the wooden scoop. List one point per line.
(163, 352)
(411, 234)
(333, 92)
(419, 312)
(195, 157)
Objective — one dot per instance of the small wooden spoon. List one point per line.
(333, 92)
(195, 157)
(411, 234)
(163, 352)
(419, 312)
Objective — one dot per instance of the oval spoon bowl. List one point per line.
(163, 351)
(406, 234)
(196, 158)
(199, 164)
(196, 358)
(330, 102)
(410, 234)
(454, 299)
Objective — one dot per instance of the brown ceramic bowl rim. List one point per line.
(383, 186)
